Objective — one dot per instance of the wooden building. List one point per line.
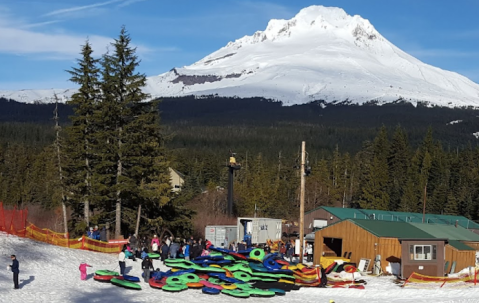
(364, 238)
(176, 179)
(323, 216)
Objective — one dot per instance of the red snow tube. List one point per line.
(156, 283)
(238, 256)
(330, 268)
(106, 278)
(282, 262)
(350, 269)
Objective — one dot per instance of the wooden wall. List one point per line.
(359, 242)
(463, 258)
(318, 214)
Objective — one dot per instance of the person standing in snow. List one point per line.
(121, 261)
(186, 251)
(155, 244)
(146, 265)
(15, 267)
(82, 269)
(103, 234)
(165, 249)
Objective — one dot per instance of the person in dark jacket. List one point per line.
(147, 265)
(15, 269)
(103, 234)
(165, 249)
(174, 247)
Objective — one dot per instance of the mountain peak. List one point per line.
(322, 53)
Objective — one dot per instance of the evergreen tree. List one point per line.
(80, 139)
(398, 160)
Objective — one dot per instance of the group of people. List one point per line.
(96, 234)
(169, 248)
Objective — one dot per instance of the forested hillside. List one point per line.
(382, 157)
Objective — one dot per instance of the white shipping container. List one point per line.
(261, 229)
(221, 235)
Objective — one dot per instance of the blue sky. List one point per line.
(40, 39)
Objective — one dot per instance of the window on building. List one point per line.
(422, 252)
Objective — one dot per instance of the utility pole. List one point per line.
(232, 166)
(424, 204)
(301, 201)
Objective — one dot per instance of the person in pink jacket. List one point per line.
(82, 269)
(155, 244)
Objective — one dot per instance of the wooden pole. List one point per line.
(138, 221)
(301, 202)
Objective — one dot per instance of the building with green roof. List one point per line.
(325, 215)
(425, 248)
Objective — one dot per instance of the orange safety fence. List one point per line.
(14, 222)
(422, 279)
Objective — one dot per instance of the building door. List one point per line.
(332, 247)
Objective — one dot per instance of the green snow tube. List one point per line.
(244, 286)
(153, 256)
(214, 280)
(235, 293)
(105, 272)
(256, 292)
(174, 280)
(241, 275)
(257, 254)
(125, 284)
(174, 287)
(189, 278)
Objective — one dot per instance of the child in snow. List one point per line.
(82, 269)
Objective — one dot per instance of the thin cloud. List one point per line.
(33, 25)
(78, 8)
(129, 2)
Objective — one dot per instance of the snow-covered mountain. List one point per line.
(320, 54)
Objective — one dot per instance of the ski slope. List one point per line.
(50, 274)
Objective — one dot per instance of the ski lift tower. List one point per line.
(232, 166)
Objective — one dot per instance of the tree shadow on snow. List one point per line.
(26, 282)
(110, 294)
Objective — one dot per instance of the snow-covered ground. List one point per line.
(50, 274)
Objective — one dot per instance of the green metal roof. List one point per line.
(447, 231)
(459, 245)
(396, 216)
(390, 229)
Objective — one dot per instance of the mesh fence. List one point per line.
(14, 222)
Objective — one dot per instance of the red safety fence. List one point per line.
(14, 222)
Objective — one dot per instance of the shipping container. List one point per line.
(221, 235)
(260, 229)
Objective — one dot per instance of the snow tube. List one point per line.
(283, 262)
(174, 287)
(105, 272)
(100, 278)
(350, 269)
(244, 286)
(237, 256)
(203, 276)
(223, 250)
(330, 268)
(189, 278)
(125, 284)
(229, 286)
(240, 275)
(271, 264)
(257, 254)
(235, 293)
(131, 278)
(194, 285)
(181, 272)
(156, 283)
(153, 256)
(211, 285)
(211, 291)
(357, 286)
(245, 251)
(174, 280)
(230, 280)
(256, 292)
(210, 257)
(278, 291)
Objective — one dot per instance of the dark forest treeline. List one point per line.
(383, 157)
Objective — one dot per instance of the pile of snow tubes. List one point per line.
(113, 277)
(242, 274)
